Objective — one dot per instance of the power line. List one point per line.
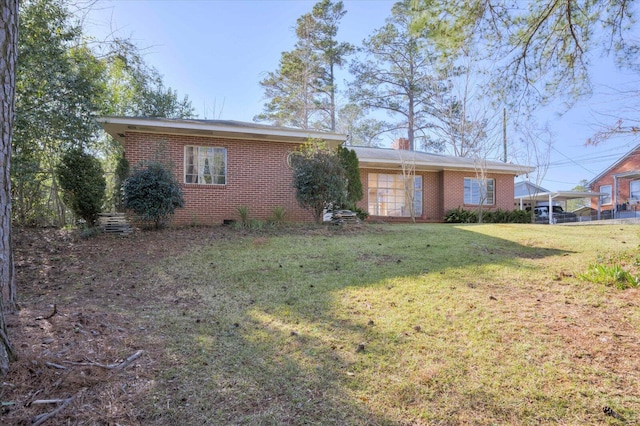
(592, 158)
(587, 160)
(559, 181)
(572, 161)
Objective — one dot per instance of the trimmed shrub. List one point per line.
(153, 194)
(351, 165)
(83, 184)
(520, 216)
(460, 215)
(319, 179)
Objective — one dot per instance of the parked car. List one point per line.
(559, 215)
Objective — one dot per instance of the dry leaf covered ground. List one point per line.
(87, 305)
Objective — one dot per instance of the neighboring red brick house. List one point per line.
(224, 165)
(621, 183)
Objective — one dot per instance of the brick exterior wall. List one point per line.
(629, 164)
(453, 190)
(443, 191)
(257, 177)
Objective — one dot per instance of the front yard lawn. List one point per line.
(390, 325)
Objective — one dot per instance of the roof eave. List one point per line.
(117, 127)
(432, 167)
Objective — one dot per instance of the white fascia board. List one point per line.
(436, 167)
(120, 125)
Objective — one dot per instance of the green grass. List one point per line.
(416, 324)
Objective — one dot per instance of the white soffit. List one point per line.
(117, 127)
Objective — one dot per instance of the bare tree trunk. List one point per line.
(408, 177)
(8, 57)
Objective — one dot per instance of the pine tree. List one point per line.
(302, 91)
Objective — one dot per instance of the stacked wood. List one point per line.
(114, 223)
(344, 216)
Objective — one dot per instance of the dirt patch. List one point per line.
(96, 288)
(99, 289)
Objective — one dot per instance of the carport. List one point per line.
(556, 196)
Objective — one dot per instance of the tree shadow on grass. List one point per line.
(282, 332)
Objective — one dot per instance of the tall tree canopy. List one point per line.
(302, 91)
(59, 90)
(136, 89)
(362, 130)
(63, 83)
(398, 74)
(540, 49)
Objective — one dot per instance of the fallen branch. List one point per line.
(115, 366)
(55, 311)
(48, 401)
(58, 366)
(41, 418)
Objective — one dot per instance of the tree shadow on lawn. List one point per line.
(324, 329)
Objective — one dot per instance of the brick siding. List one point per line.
(453, 190)
(443, 191)
(629, 164)
(257, 177)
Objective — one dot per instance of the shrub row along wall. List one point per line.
(460, 215)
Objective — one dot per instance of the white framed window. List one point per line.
(634, 190)
(605, 199)
(479, 191)
(205, 165)
(389, 197)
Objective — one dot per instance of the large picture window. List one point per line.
(479, 191)
(605, 199)
(205, 165)
(388, 196)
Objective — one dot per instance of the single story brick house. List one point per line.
(223, 165)
(620, 183)
(441, 183)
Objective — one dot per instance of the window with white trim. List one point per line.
(205, 165)
(634, 190)
(605, 199)
(479, 191)
(389, 197)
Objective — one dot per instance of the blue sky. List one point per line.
(217, 51)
